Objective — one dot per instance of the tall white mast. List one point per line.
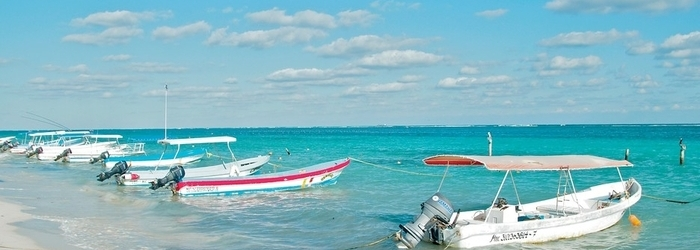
(166, 112)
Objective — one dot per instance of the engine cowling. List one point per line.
(103, 156)
(174, 175)
(434, 210)
(119, 169)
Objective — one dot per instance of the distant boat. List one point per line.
(169, 158)
(322, 174)
(91, 146)
(50, 138)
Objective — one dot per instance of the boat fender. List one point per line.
(634, 220)
(131, 176)
(119, 169)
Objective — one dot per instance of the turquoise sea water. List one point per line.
(373, 195)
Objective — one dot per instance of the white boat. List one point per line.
(168, 157)
(51, 138)
(571, 213)
(322, 174)
(232, 168)
(92, 146)
(228, 166)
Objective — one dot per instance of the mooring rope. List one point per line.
(373, 243)
(392, 169)
(279, 166)
(674, 201)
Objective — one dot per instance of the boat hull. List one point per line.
(155, 161)
(245, 167)
(470, 233)
(318, 175)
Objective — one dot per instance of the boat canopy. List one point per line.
(104, 136)
(529, 162)
(61, 132)
(198, 140)
(3, 139)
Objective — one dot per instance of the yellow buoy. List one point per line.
(634, 220)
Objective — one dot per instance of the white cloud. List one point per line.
(563, 63)
(411, 78)
(682, 41)
(470, 81)
(264, 38)
(151, 67)
(231, 80)
(38, 80)
(492, 13)
(120, 57)
(610, 6)
(641, 48)
(379, 88)
(363, 44)
(290, 74)
(302, 18)
(78, 68)
(684, 53)
(114, 18)
(314, 74)
(400, 59)
(587, 38)
(359, 17)
(643, 82)
(109, 36)
(597, 81)
(165, 32)
(469, 70)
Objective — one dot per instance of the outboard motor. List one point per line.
(63, 154)
(119, 169)
(437, 209)
(175, 175)
(5, 146)
(101, 158)
(34, 151)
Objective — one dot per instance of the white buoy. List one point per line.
(682, 157)
(490, 143)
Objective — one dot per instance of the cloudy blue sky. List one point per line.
(105, 64)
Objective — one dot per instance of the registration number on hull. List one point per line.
(513, 236)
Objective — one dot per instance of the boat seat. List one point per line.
(562, 209)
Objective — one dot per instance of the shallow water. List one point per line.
(373, 195)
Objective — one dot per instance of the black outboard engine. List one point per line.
(34, 151)
(101, 158)
(435, 210)
(174, 176)
(5, 146)
(119, 169)
(63, 154)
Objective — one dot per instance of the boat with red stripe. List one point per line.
(321, 174)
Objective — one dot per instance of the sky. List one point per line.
(231, 64)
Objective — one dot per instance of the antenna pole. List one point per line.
(166, 113)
